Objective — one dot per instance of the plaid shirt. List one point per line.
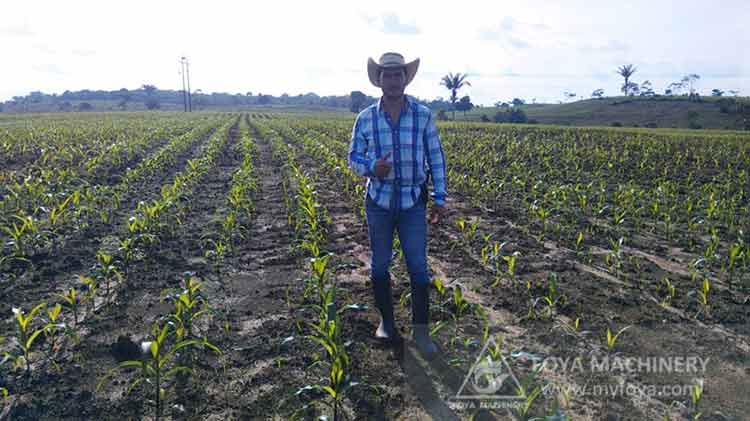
(373, 137)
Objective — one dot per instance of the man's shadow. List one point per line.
(417, 376)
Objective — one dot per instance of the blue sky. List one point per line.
(532, 49)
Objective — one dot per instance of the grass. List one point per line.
(663, 112)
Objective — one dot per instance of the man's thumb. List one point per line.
(388, 155)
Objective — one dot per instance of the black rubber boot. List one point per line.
(420, 310)
(386, 331)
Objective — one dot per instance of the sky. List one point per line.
(535, 50)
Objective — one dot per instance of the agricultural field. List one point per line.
(214, 266)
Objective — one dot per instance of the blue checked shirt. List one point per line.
(375, 135)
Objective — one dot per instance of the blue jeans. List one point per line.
(412, 233)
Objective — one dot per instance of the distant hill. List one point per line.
(668, 112)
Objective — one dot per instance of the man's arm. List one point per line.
(358, 161)
(436, 161)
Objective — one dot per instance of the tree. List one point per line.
(518, 102)
(626, 71)
(264, 99)
(464, 105)
(149, 89)
(689, 81)
(717, 92)
(85, 106)
(512, 115)
(358, 101)
(569, 95)
(453, 83)
(152, 102)
(631, 88)
(598, 94)
(734, 92)
(200, 101)
(646, 89)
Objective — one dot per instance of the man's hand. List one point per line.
(382, 167)
(437, 214)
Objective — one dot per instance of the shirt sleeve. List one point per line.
(357, 160)
(436, 162)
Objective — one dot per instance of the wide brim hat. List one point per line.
(390, 61)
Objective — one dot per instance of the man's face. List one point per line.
(393, 82)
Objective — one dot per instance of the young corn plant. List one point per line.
(614, 257)
(27, 332)
(579, 242)
(510, 261)
(551, 300)
(72, 299)
(54, 329)
(611, 338)
(190, 306)
(327, 333)
(460, 307)
(107, 272)
(91, 289)
(129, 253)
(216, 253)
(528, 391)
(696, 396)
(703, 296)
(158, 364)
(669, 292)
(735, 253)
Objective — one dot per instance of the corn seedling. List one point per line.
(611, 339)
(327, 333)
(157, 364)
(216, 253)
(703, 295)
(669, 293)
(190, 305)
(696, 395)
(614, 257)
(735, 252)
(107, 273)
(91, 289)
(528, 393)
(511, 262)
(72, 299)
(26, 334)
(579, 241)
(128, 250)
(52, 329)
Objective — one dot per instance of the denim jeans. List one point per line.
(412, 233)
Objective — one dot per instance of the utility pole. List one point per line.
(184, 92)
(189, 95)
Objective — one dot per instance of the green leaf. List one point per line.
(179, 369)
(133, 384)
(330, 391)
(32, 338)
(55, 312)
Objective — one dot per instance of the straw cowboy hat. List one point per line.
(390, 60)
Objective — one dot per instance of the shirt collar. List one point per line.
(407, 104)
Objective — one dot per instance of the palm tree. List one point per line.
(626, 71)
(454, 83)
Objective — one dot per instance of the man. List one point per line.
(392, 143)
